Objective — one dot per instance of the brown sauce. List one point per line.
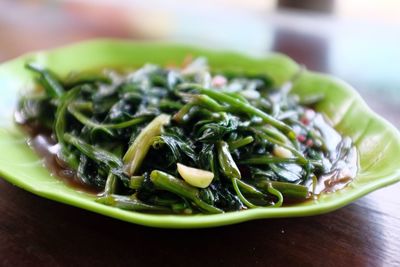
(42, 142)
(341, 177)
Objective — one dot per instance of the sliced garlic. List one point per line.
(282, 152)
(196, 177)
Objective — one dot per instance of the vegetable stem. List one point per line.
(50, 83)
(137, 151)
(264, 160)
(95, 153)
(226, 162)
(111, 184)
(60, 123)
(288, 190)
(105, 127)
(240, 195)
(240, 142)
(298, 154)
(247, 108)
(168, 182)
(136, 182)
(276, 193)
(129, 203)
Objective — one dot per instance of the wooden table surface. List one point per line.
(39, 232)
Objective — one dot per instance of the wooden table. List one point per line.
(39, 232)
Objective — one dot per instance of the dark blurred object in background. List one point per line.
(326, 6)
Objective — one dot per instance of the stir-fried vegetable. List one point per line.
(186, 140)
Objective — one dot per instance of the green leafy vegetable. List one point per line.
(48, 80)
(239, 141)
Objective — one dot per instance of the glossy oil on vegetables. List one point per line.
(186, 139)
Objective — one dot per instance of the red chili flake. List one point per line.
(301, 138)
(309, 143)
(305, 121)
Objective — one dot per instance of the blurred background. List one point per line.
(356, 40)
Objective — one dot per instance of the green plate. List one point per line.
(377, 141)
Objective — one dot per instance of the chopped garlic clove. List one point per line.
(195, 177)
(282, 152)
